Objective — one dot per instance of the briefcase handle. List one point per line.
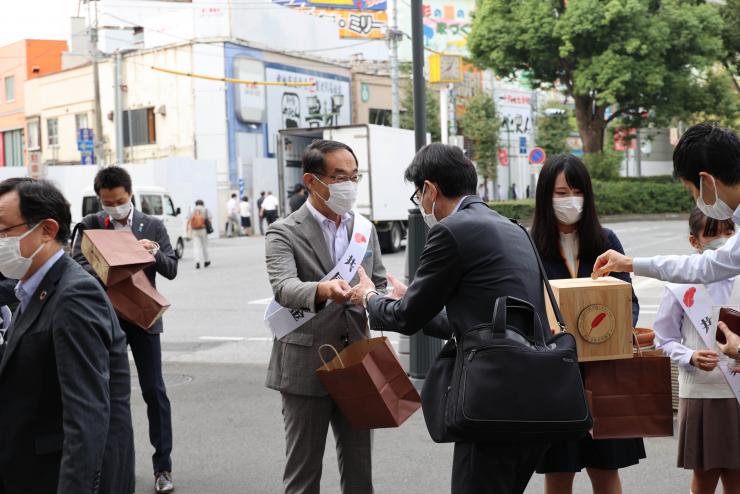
(543, 275)
(501, 309)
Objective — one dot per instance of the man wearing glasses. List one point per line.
(312, 259)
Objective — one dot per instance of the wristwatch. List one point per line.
(365, 297)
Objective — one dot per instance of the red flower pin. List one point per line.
(107, 221)
(688, 297)
(360, 238)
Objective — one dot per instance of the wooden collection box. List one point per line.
(598, 313)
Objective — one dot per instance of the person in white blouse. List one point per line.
(708, 410)
(707, 162)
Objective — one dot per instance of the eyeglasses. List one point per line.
(4, 231)
(414, 199)
(343, 178)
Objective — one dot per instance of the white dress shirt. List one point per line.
(708, 267)
(337, 238)
(569, 249)
(270, 203)
(676, 335)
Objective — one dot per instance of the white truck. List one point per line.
(383, 154)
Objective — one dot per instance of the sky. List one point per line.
(37, 19)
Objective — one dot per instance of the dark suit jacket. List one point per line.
(143, 226)
(65, 419)
(470, 259)
(7, 291)
(557, 270)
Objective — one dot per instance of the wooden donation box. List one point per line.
(598, 313)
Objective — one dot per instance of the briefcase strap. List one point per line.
(545, 280)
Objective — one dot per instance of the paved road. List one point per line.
(228, 427)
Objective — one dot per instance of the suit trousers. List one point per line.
(493, 468)
(307, 420)
(200, 245)
(147, 352)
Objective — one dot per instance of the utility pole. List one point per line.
(417, 41)
(444, 114)
(98, 137)
(118, 110)
(394, 37)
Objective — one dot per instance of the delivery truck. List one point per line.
(383, 154)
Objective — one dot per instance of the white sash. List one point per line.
(703, 313)
(282, 320)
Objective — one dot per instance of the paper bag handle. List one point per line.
(335, 352)
(636, 342)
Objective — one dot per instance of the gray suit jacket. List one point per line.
(65, 419)
(142, 226)
(297, 258)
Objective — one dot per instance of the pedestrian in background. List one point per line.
(513, 191)
(65, 418)
(708, 411)
(569, 237)
(270, 208)
(198, 231)
(260, 213)
(245, 214)
(113, 187)
(232, 217)
(298, 198)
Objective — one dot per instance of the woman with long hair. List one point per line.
(569, 237)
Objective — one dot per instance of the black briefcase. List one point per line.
(504, 383)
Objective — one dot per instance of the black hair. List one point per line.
(262, 193)
(199, 202)
(298, 188)
(112, 177)
(40, 200)
(233, 195)
(446, 166)
(592, 239)
(245, 199)
(708, 148)
(700, 224)
(313, 156)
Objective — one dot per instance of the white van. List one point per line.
(154, 201)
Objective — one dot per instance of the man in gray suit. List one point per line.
(113, 186)
(301, 250)
(65, 421)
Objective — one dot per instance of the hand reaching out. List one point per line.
(363, 285)
(612, 261)
(399, 289)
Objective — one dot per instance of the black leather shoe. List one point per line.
(163, 482)
(197, 265)
(206, 264)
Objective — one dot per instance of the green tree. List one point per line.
(633, 55)
(482, 124)
(731, 39)
(553, 129)
(432, 109)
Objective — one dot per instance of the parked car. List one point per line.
(151, 200)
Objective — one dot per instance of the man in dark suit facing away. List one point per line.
(113, 186)
(65, 421)
(472, 256)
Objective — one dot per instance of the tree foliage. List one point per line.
(553, 130)
(482, 124)
(633, 55)
(731, 39)
(431, 104)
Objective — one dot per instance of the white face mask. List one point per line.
(118, 212)
(12, 264)
(429, 218)
(719, 210)
(568, 210)
(342, 196)
(715, 244)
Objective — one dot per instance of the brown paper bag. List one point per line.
(137, 301)
(369, 385)
(114, 255)
(630, 397)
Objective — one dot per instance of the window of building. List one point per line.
(13, 147)
(52, 131)
(10, 88)
(34, 135)
(138, 127)
(380, 117)
(80, 123)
